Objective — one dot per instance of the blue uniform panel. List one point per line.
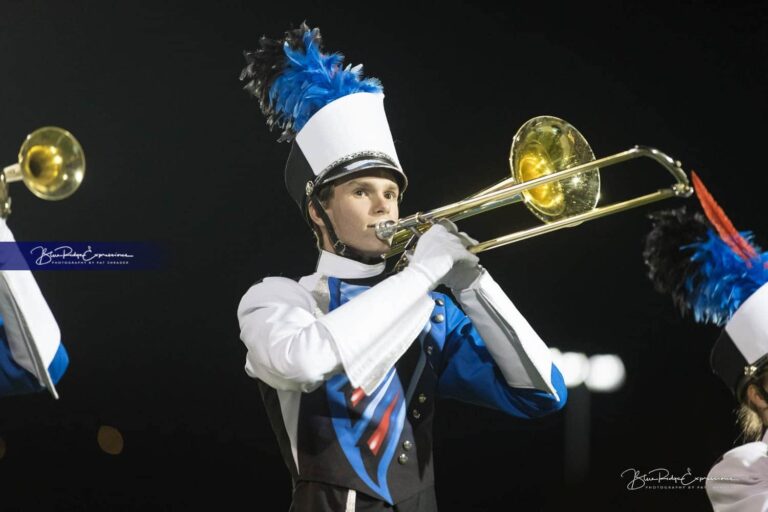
(469, 374)
(16, 380)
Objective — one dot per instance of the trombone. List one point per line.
(51, 164)
(555, 174)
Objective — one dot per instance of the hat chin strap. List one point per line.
(339, 247)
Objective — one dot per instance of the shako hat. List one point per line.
(333, 116)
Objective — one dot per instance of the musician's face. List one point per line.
(356, 205)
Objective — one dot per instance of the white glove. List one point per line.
(463, 273)
(439, 250)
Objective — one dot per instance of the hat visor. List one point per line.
(362, 165)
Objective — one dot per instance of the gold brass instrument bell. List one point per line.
(51, 164)
(554, 172)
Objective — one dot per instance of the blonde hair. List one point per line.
(750, 421)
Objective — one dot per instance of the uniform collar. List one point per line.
(330, 264)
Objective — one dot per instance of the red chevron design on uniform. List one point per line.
(357, 395)
(378, 436)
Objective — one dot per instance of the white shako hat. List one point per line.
(742, 347)
(333, 115)
(349, 135)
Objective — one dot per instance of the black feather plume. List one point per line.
(669, 263)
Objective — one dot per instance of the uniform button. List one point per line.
(402, 459)
(407, 445)
(440, 302)
(429, 349)
(438, 318)
(416, 414)
(422, 398)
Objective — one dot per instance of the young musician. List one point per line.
(351, 359)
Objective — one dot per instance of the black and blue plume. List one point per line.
(292, 79)
(704, 263)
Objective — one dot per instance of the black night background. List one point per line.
(179, 155)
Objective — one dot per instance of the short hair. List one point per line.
(324, 193)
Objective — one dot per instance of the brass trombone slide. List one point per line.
(402, 231)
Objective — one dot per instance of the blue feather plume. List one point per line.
(311, 80)
(723, 280)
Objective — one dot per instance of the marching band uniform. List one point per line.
(350, 360)
(309, 341)
(32, 357)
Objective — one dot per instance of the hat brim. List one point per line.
(363, 165)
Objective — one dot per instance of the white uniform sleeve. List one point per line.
(521, 355)
(739, 482)
(293, 346)
(32, 331)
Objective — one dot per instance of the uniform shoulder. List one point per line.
(739, 481)
(275, 290)
(749, 457)
(751, 451)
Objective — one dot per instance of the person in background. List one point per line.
(32, 357)
(721, 277)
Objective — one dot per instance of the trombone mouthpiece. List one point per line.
(385, 230)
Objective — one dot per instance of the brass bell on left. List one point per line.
(51, 164)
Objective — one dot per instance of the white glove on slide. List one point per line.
(441, 254)
(463, 273)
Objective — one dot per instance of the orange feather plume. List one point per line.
(721, 222)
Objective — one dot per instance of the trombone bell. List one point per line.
(545, 145)
(51, 164)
